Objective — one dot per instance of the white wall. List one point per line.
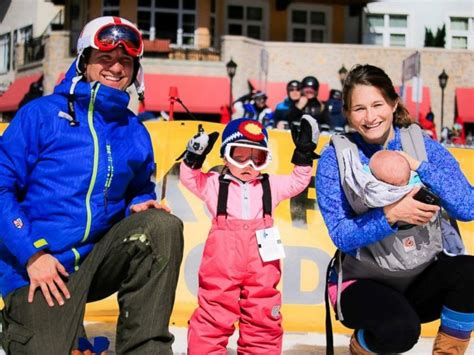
(423, 13)
(21, 13)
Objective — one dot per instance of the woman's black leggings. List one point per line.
(392, 320)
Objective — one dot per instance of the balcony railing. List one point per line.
(57, 23)
(157, 47)
(163, 48)
(34, 50)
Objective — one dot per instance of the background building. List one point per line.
(24, 22)
(189, 42)
(403, 23)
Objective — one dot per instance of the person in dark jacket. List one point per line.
(333, 111)
(309, 104)
(293, 92)
(80, 219)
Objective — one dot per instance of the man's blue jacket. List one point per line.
(63, 186)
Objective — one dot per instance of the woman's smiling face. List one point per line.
(370, 114)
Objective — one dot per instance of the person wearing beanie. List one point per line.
(240, 267)
(80, 220)
(293, 92)
(309, 104)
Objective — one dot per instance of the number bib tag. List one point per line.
(269, 244)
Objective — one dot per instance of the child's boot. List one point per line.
(448, 345)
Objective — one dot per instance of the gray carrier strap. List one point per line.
(413, 143)
(341, 141)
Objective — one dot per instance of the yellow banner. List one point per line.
(305, 237)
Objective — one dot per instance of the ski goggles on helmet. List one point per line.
(110, 36)
(243, 154)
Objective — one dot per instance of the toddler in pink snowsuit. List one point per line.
(240, 267)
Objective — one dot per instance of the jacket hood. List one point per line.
(110, 102)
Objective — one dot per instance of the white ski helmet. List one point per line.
(107, 33)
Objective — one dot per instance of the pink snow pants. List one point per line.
(236, 285)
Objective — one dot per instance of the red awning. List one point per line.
(11, 98)
(200, 94)
(465, 104)
(276, 92)
(424, 105)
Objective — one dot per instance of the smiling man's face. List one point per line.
(114, 68)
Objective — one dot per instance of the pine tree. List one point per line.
(429, 38)
(439, 39)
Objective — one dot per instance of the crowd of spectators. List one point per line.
(302, 98)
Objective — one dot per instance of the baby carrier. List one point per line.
(397, 259)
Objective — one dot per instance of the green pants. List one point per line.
(140, 259)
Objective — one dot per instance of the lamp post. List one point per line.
(342, 74)
(231, 67)
(443, 81)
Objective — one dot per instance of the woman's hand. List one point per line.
(409, 210)
(414, 164)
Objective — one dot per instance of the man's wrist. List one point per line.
(35, 256)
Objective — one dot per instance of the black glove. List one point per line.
(305, 138)
(198, 147)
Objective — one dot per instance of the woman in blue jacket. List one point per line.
(391, 271)
(73, 165)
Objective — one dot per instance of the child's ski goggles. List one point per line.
(244, 154)
(112, 35)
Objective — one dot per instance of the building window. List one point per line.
(388, 30)
(309, 23)
(5, 46)
(21, 36)
(246, 18)
(24, 34)
(213, 26)
(168, 19)
(110, 7)
(460, 33)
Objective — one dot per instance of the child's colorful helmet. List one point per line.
(246, 132)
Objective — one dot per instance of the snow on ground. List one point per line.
(293, 343)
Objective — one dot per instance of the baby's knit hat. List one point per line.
(244, 130)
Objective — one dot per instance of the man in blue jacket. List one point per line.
(73, 165)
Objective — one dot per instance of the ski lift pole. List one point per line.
(173, 96)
